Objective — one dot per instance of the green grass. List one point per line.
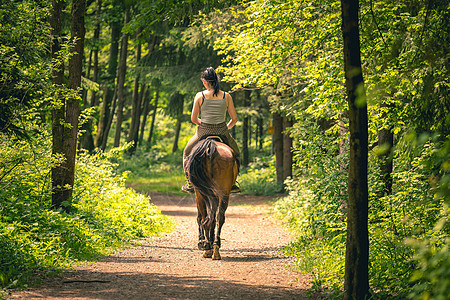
(149, 171)
(166, 183)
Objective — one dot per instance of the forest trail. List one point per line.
(171, 266)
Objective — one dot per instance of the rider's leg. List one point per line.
(187, 187)
(235, 188)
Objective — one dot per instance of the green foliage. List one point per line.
(296, 47)
(408, 229)
(24, 40)
(320, 246)
(432, 278)
(34, 239)
(154, 171)
(260, 178)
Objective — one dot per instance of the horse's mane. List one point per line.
(199, 162)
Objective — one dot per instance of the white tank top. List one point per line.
(213, 111)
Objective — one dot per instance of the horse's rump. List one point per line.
(212, 170)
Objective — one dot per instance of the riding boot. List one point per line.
(235, 189)
(187, 187)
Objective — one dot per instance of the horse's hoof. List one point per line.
(203, 245)
(208, 254)
(216, 255)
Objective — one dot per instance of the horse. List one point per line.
(212, 169)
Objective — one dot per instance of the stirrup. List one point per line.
(235, 189)
(187, 188)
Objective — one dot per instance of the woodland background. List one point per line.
(113, 107)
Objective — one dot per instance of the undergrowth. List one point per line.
(36, 240)
(408, 230)
(260, 177)
(154, 171)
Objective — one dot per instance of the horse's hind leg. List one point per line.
(202, 243)
(201, 211)
(220, 219)
(210, 237)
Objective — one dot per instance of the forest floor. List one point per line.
(171, 266)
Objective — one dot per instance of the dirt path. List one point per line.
(170, 267)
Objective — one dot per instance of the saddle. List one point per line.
(223, 139)
(216, 137)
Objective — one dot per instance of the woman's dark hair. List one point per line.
(210, 75)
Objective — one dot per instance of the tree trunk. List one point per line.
(245, 127)
(108, 126)
(108, 88)
(278, 145)
(287, 149)
(177, 135)
(63, 180)
(87, 139)
(259, 123)
(260, 133)
(121, 81)
(356, 281)
(343, 142)
(136, 104)
(155, 108)
(249, 132)
(88, 74)
(146, 95)
(145, 110)
(96, 49)
(58, 118)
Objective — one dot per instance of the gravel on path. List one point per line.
(171, 266)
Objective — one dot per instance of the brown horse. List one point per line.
(212, 169)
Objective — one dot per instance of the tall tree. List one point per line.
(58, 111)
(287, 148)
(121, 81)
(175, 110)
(65, 123)
(87, 139)
(277, 144)
(94, 95)
(108, 82)
(245, 128)
(145, 110)
(157, 85)
(136, 100)
(356, 281)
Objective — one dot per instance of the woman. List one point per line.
(212, 104)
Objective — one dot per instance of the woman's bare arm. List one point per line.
(231, 111)
(196, 110)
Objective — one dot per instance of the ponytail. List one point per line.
(210, 75)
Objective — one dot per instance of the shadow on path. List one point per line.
(122, 285)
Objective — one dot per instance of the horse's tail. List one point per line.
(199, 162)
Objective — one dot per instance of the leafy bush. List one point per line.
(260, 178)
(35, 239)
(319, 249)
(315, 209)
(432, 277)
